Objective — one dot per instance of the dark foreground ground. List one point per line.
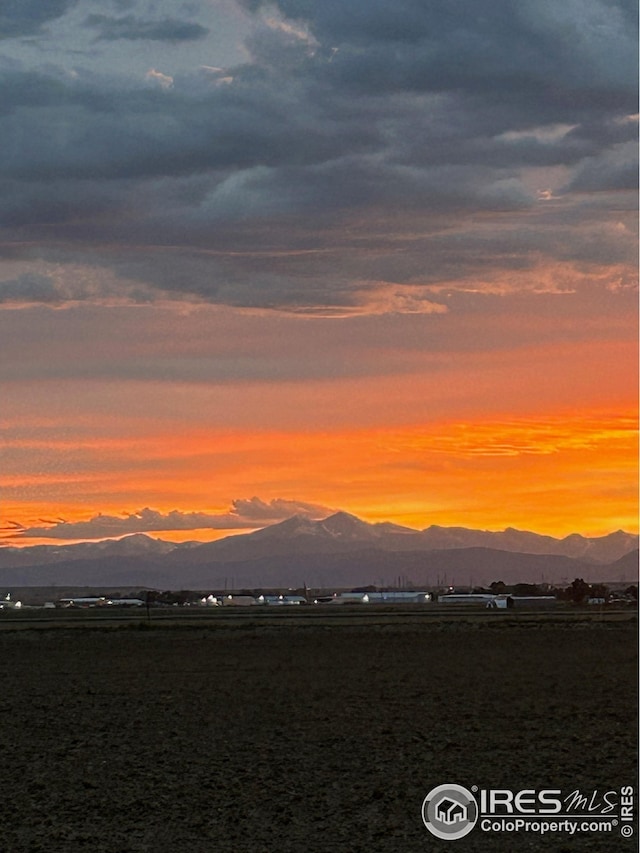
(270, 739)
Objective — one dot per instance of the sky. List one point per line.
(259, 259)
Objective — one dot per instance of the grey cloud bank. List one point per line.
(26, 17)
(136, 29)
(420, 123)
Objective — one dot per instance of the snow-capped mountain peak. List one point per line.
(347, 526)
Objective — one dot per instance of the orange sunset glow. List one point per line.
(273, 280)
(554, 475)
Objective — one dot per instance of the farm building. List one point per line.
(393, 597)
(481, 599)
(238, 600)
(524, 602)
(400, 597)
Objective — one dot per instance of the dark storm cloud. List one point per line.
(135, 29)
(346, 111)
(27, 17)
(44, 203)
(507, 46)
(615, 169)
(306, 116)
(56, 128)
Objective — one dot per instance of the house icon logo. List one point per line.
(449, 811)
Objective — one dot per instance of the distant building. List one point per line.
(526, 602)
(484, 599)
(391, 597)
(238, 601)
(400, 597)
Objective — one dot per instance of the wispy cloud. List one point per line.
(244, 514)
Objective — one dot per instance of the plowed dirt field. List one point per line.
(294, 739)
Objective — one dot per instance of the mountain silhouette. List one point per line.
(341, 550)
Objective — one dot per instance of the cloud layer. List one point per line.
(244, 514)
(348, 120)
(133, 28)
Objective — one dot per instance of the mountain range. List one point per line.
(338, 551)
